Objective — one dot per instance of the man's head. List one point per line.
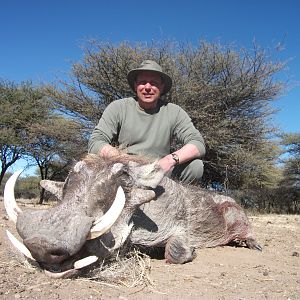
(149, 82)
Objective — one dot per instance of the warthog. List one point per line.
(150, 210)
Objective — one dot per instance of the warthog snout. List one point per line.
(45, 251)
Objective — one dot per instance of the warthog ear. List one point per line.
(54, 187)
(149, 175)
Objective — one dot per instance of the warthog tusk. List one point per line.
(10, 203)
(104, 223)
(19, 246)
(59, 275)
(84, 262)
(79, 264)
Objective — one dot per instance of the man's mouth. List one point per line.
(148, 95)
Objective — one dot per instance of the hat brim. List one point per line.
(131, 77)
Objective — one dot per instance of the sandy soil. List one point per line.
(219, 273)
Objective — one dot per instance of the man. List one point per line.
(146, 125)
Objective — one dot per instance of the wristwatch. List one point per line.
(175, 157)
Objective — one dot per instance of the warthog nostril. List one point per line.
(44, 251)
(57, 256)
(58, 252)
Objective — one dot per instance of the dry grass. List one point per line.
(130, 269)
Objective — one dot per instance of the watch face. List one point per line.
(175, 157)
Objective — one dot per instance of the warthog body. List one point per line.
(158, 212)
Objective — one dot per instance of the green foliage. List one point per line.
(292, 143)
(21, 106)
(270, 200)
(284, 195)
(290, 183)
(31, 128)
(291, 171)
(55, 143)
(26, 187)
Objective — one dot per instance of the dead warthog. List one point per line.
(104, 202)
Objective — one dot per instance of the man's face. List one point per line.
(148, 87)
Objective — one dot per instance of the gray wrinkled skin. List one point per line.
(59, 233)
(172, 216)
(184, 218)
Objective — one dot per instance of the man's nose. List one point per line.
(148, 85)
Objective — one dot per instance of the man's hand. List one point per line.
(109, 151)
(167, 163)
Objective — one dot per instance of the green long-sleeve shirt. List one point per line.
(144, 132)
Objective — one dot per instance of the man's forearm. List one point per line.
(184, 154)
(187, 153)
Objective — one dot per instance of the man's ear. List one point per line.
(162, 87)
(135, 86)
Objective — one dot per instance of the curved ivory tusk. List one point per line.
(110, 217)
(10, 203)
(79, 264)
(19, 246)
(84, 262)
(64, 274)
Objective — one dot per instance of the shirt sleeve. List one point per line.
(186, 133)
(107, 129)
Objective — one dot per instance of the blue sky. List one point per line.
(41, 39)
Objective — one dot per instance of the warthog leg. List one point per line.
(178, 250)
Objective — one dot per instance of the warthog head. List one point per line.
(97, 201)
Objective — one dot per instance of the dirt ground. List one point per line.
(219, 273)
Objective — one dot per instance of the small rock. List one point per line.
(295, 253)
(265, 273)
